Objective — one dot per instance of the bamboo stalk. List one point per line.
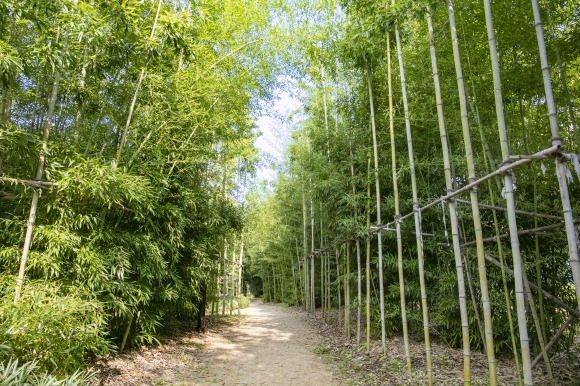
(36, 192)
(347, 292)
(241, 265)
(322, 287)
(368, 258)
(215, 303)
(368, 265)
(328, 271)
(508, 186)
(488, 326)
(538, 263)
(305, 249)
(378, 199)
(417, 217)
(325, 112)
(561, 166)
(359, 293)
(233, 288)
(126, 334)
(564, 83)
(337, 254)
(475, 308)
(281, 284)
(312, 287)
(224, 278)
(298, 280)
(452, 210)
(357, 241)
(397, 206)
(488, 160)
(538, 328)
(137, 88)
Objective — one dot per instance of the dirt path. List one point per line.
(269, 345)
(272, 346)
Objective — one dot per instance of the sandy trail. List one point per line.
(272, 346)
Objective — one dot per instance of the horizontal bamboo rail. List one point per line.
(33, 183)
(520, 233)
(7, 196)
(502, 209)
(502, 170)
(551, 152)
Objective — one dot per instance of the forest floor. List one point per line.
(359, 367)
(270, 344)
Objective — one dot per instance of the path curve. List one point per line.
(272, 346)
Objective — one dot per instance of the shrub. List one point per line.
(244, 301)
(51, 325)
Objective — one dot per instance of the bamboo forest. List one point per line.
(289, 192)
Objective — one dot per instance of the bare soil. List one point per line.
(267, 345)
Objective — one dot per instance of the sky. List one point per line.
(276, 130)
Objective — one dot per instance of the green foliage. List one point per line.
(53, 326)
(244, 301)
(12, 374)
